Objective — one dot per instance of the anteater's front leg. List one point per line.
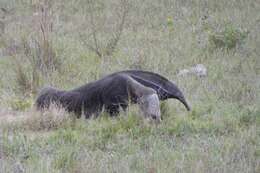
(113, 110)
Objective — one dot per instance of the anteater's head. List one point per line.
(150, 106)
(181, 98)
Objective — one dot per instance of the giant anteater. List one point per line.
(114, 91)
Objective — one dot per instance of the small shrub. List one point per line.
(229, 38)
(37, 51)
(22, 80)
(27, 78)
(249, 117)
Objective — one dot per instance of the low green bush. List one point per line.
(228, 38)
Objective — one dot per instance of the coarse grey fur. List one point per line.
(164, 88)
(111, 93)
(114, 91)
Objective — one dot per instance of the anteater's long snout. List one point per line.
(183, 100)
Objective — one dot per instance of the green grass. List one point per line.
(128, 143)
(220, 134)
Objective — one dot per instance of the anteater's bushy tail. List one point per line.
(47, 96)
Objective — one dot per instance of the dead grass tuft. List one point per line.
(50, 119)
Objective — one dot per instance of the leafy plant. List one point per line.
(228, 38)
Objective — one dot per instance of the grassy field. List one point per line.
(67, 43)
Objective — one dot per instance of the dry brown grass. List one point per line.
(34, 120)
